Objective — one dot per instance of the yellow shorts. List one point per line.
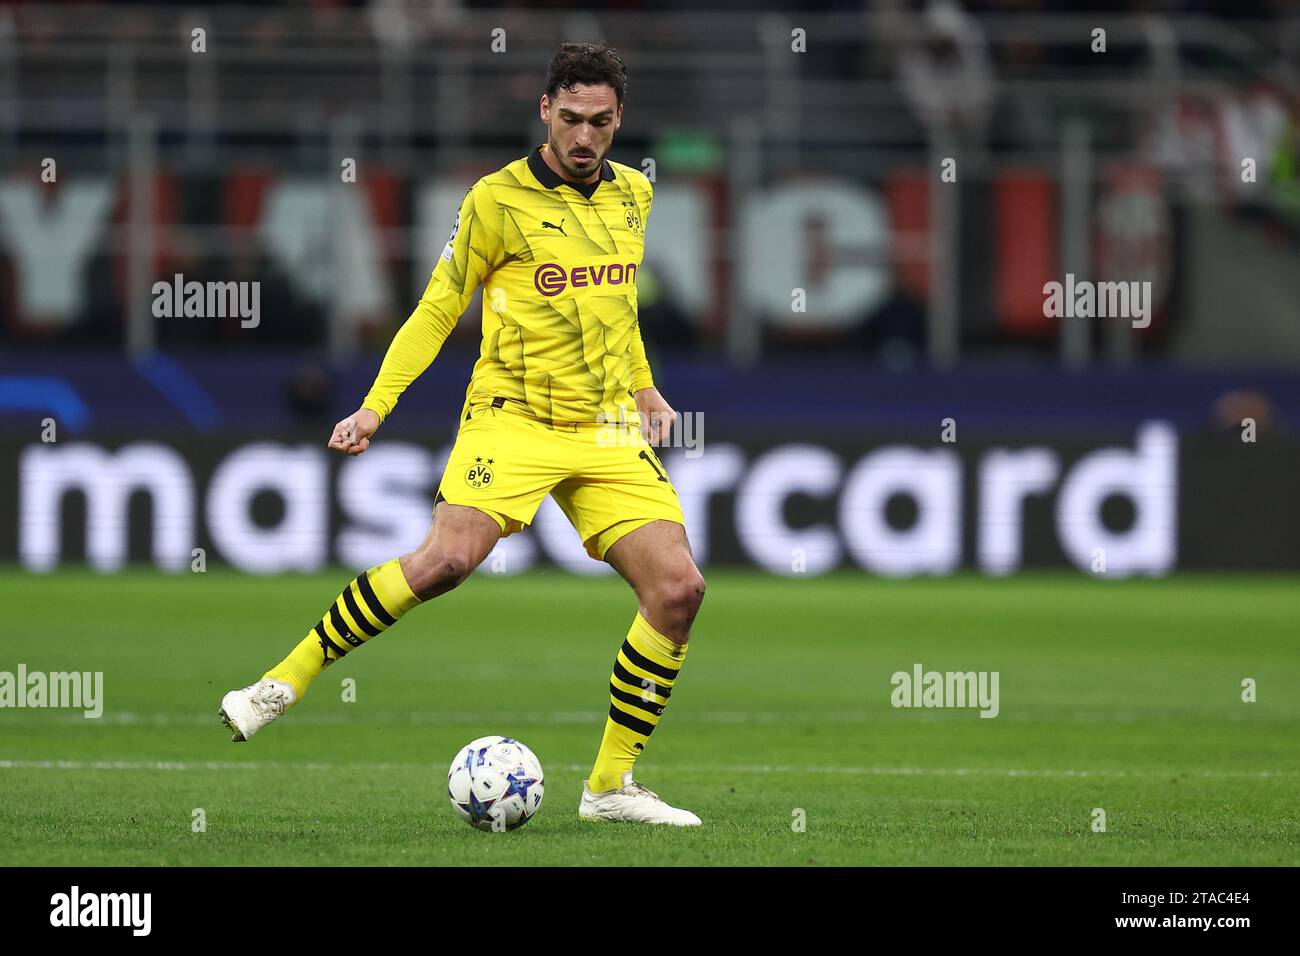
(606, 478)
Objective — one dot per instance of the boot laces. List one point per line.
(634, 789)
(270, 699)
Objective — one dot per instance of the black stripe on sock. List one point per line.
(632, 700)
(345, 632)
(362, 621)
(627, 677)
(646, 664)
(631, 723)
(372, 600)
(325, 643)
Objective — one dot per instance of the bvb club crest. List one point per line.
(479, 474)
(632, 218)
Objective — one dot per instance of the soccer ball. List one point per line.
(495, 783)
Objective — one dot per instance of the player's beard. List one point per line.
(575, 172)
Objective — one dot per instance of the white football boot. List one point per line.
(632, 803)
(247, 711)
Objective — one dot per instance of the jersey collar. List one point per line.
(552, 180)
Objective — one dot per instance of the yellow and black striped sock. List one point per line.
(368, 606)
(645, 671)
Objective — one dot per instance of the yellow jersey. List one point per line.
(558, 264)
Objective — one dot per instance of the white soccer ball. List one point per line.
(495, 783)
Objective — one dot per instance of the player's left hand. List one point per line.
(352, 435)
(657, 416)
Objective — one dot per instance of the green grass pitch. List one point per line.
(1118, 695)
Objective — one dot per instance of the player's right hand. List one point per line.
(352, 435)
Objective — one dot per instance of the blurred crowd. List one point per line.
(954, 77)
(1236, 9)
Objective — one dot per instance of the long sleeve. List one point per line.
(473, 250)
(641, 377)
(640, 365)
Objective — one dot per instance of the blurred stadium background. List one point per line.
(213, 142)
(132, 157)
(854, 325)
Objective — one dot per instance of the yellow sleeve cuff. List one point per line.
(377, 407)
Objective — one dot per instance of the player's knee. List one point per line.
(437, 573)
(682, 595)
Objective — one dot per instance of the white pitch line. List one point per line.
(1005, 772)
(500, 718)
(321, 718)
(224, 765)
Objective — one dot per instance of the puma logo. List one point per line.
(560, 227)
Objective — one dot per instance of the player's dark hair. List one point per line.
(591, 64)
